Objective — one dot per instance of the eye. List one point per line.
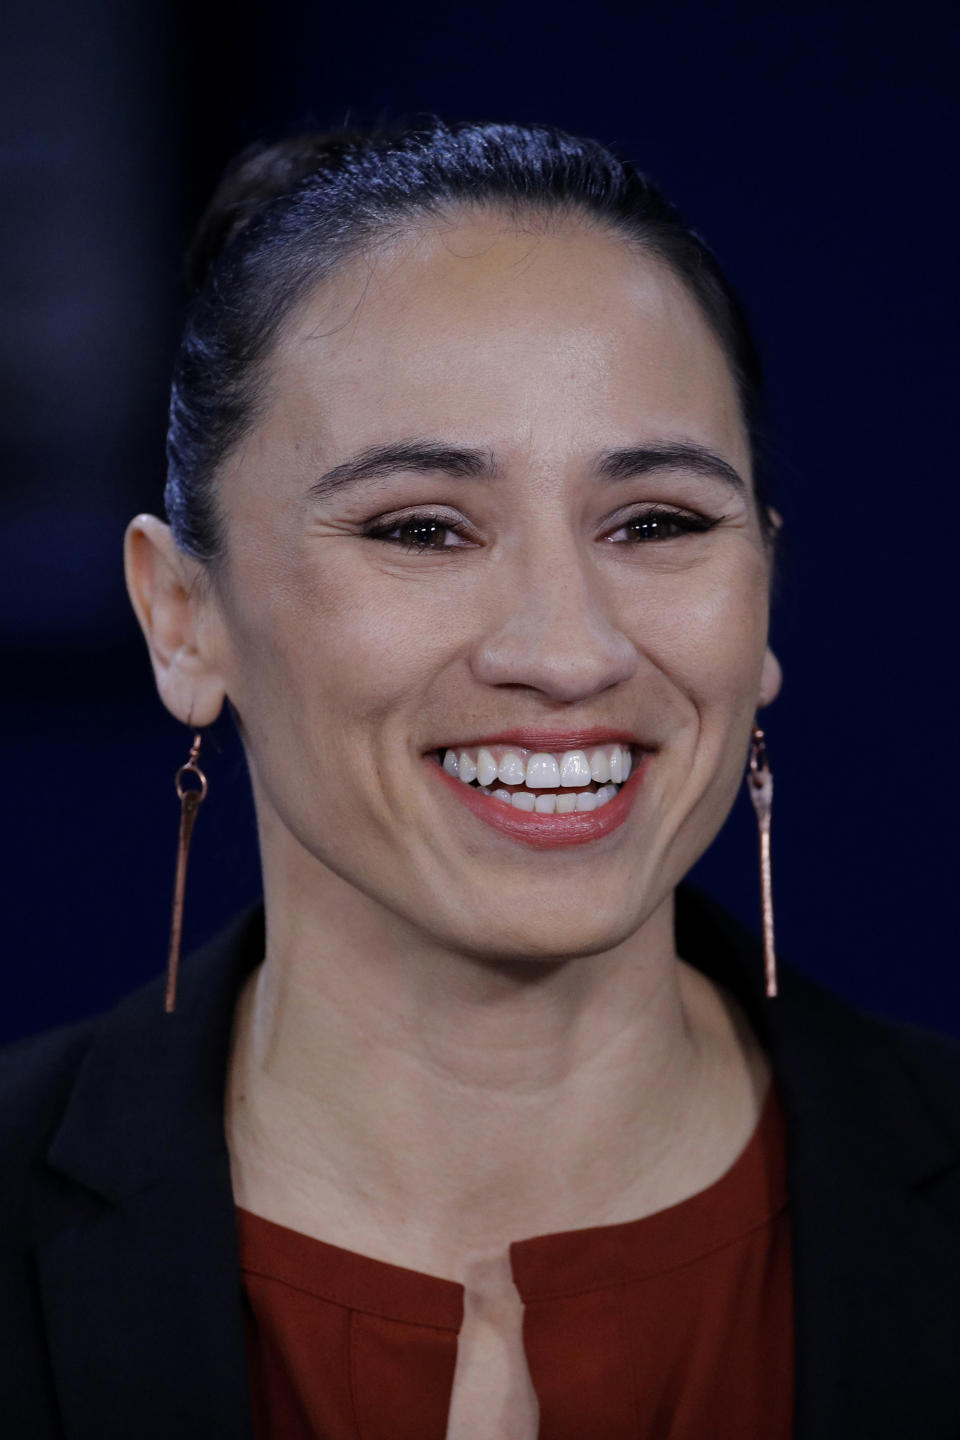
(419, 532)
(661, 524)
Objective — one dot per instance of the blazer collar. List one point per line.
(142, 1292)
(144, 1302)
(843, 1088)
(876, 1251)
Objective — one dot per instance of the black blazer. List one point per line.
(120, 1298)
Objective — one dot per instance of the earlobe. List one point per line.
(771, 679)
(170, 600)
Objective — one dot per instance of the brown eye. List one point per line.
(422, 534)
(654, 525)
(419, 532)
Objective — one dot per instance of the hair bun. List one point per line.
(254, 179)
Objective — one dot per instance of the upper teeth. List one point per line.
(570, 770)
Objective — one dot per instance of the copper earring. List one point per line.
(191, 797)
(760, 785)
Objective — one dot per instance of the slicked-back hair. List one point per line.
(289, 216)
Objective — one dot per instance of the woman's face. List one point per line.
(498, 499)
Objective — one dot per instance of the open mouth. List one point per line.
(568, 782)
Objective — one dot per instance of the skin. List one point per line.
(456, 1041)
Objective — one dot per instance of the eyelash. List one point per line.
(681, 522)
(389, 528)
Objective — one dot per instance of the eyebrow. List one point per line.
(426, 456)
(638, 460)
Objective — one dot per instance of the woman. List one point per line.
(480, 1129)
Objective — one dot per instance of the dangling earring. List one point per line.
(760, 785)
(191, 798)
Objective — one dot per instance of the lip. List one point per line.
(551, 741)
(548, 832)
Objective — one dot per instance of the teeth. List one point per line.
(512, 770)
(566, 804)
(545, 804)
(586, 801)
(575, 768)
(600, 766)
(486, 768)
(607, 765)
(523, 800)
(543, 773)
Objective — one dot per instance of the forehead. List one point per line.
(560, 337)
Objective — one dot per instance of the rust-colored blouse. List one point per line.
(673, 1327)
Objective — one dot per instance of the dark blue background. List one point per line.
(814, 147)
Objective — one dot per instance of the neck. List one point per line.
(391, 1096)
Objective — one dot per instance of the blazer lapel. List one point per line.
(144, 1315)
(139, 1271)
(876, 1265)
(875, 1240)
(876, 1275)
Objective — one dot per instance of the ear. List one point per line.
(771, 678)
(172, 600)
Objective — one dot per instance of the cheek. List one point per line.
(711, 636)
(709, 644)
(322, 645)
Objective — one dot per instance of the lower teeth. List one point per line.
(548, 803)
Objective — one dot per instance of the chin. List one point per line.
(541, 937)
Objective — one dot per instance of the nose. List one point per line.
(554, 631)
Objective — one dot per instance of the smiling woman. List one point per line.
(484, 1127)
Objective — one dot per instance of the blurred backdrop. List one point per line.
(813, 145)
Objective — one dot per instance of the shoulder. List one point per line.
(37, 1077)
(892, 1077)
(876, 1085)
(929, 1059)
(100, 1097)
(926, 1060)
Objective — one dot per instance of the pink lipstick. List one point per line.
(548, 832)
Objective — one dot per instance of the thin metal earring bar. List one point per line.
(760, 785)
(191, 798)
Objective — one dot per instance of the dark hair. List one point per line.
(287, 216)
